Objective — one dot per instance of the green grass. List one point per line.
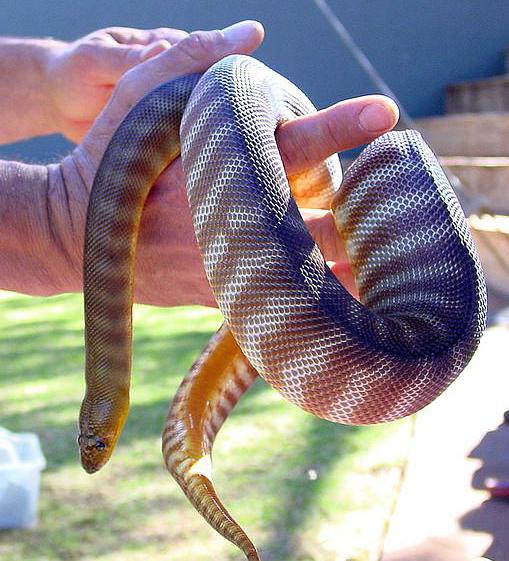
(303, 488)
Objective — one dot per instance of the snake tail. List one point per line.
(206, 396)
(144, 144)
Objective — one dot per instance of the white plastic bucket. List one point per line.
(21, 463)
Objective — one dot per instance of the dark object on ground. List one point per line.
(497, 489)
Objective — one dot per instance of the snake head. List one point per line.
(95, 451)
(100, 424)
(97, 441)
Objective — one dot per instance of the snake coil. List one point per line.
(422, 307)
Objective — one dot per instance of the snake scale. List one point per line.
(422, 304)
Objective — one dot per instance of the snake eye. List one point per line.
(99, 444)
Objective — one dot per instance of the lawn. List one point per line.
(303, 488)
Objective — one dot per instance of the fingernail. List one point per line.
(238, 32)
(154, 49)
(376, 118)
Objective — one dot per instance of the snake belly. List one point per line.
(422, 307)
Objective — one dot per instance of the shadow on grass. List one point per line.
(36, 350)
(89, 525)
(316, 449)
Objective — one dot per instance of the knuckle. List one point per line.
(158, 32)
(202, 45)
(84, 53)
(112, 29)
(117, 33)
(294, 151)
(128, 86)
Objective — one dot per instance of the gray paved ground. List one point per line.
(443, 512)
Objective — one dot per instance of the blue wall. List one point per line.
(418, 46)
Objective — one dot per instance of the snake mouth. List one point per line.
(90, 468)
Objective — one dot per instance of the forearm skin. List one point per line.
(41, 228)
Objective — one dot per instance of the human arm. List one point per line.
(43, 208)
(169, 270)
(60, 87)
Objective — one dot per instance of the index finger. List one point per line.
(306, 141)
(197, 52)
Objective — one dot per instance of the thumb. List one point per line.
(115, 60)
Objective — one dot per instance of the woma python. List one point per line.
(422, 305)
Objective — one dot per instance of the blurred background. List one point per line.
(418, 47)
(303, 488)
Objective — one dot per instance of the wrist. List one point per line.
(67, 200)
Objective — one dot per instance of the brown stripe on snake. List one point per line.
(310, 187)
(344, 360)
(208, 394)
(394, 168)
(119, 192)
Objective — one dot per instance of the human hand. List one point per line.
(306, 141)
(81, 75)
(168, 253)
(169, 268)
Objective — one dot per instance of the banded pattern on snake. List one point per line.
(422, 304)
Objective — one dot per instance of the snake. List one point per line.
(421, 306)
